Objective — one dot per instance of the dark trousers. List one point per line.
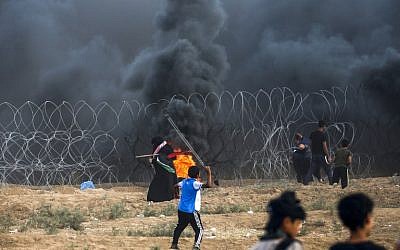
(341, 173)
(183, 220)
(318, 162)
(301, 166)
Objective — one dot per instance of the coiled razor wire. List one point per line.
(250, 136)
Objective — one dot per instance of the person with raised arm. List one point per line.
(189, 206)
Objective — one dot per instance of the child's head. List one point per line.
(355, 211)
(321, 124)
(194, 172)
(286, 214)
(345, 143)
(298, 137)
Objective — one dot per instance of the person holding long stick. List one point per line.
(162, 186)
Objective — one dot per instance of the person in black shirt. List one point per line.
(355, 212)
(320, 154)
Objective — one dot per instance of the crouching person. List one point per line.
(355, 211)
(189, 206)
(286, 217)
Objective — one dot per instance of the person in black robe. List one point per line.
(162, 186)
(301, 157)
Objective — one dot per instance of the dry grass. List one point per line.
(120, 218)
(51, 219)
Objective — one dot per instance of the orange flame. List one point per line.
(182, 163)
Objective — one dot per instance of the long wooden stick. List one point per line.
(184, 140)
(144, 156)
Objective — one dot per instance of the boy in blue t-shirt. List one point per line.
(189, 206)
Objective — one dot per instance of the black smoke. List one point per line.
(184, 59)
(70, 50)
(308, 44)
(149, 50)
(383, 85)
(305, 45)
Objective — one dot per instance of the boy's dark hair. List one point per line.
(287, 205)
(354, 209)
(193, 171)
(345, 143)
(321, 123)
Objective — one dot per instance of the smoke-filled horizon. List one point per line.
(183, 59)
(99, 50)
(79, 50)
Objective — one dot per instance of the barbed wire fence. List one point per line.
(250, 136)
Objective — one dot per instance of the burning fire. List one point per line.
(182, 163)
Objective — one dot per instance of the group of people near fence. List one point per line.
(311, 155)
(286, 214)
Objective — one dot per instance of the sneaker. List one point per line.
(174, 246)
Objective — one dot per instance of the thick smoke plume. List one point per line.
(184, 59)
(308, 44)
(99, 50)
(69, 50)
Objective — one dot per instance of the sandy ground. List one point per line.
(233, 215)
